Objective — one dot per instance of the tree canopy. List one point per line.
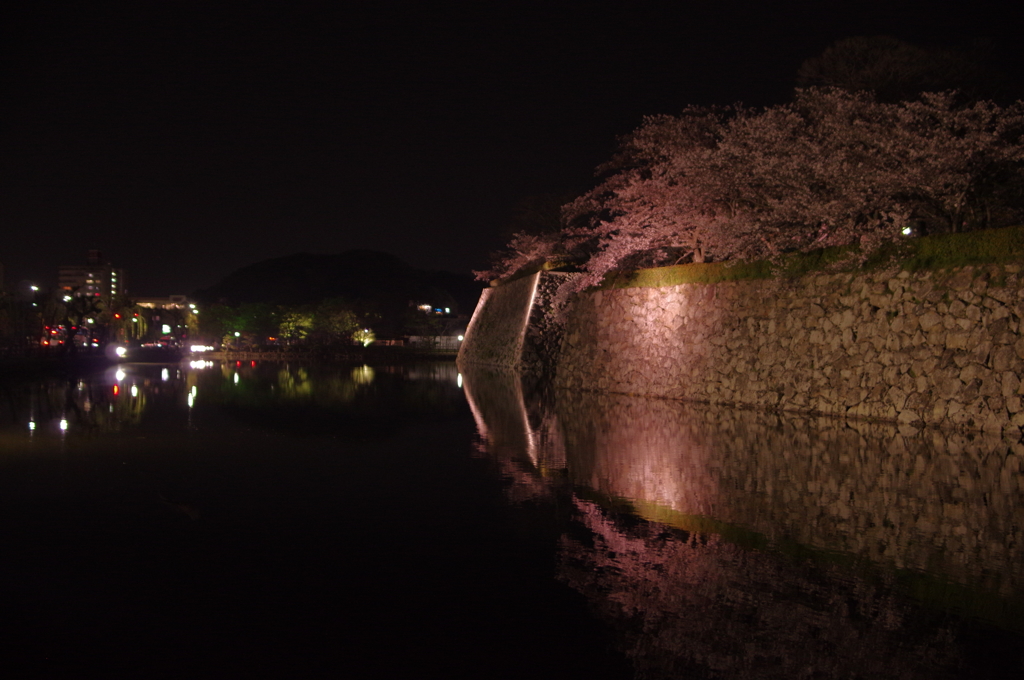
(894, 70)
(833, 167)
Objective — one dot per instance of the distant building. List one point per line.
(168, 318)
(169, 302)
(95, 278)
(439, 343)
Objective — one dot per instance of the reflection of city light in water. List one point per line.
(119, 375)
(459, 380)
(32, 425)
(135, 391)
(236, 378)
(362, 375)
(63, 424)
(191, 400)
(165, 375)
(194, 390)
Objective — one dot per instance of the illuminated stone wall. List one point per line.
(935, 348)
(496, 332)
(512, 329)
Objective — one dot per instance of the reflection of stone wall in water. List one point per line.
(927, 347)
(689, 604)
(525, 440)
(927, 502)
(739, 594)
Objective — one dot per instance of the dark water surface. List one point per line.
(284, 521)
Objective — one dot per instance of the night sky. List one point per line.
(188, 139)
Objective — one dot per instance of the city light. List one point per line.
(120, 351)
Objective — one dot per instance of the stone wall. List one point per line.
(497, 331)
(512, 327)
(938, 348)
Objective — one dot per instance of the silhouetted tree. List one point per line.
(894, 70)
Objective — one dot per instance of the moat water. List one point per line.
(271, 520)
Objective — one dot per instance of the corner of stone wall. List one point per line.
(545, 327)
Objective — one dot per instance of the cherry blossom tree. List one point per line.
(831, 168)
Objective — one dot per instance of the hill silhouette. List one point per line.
(372, 281)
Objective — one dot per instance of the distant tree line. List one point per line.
(326, 322)
(332, 321)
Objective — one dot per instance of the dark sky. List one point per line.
(187, 139)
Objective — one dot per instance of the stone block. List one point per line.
(961, 280)
(957, 340)
(947, 388)
(929, 320)
(1004, 357)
